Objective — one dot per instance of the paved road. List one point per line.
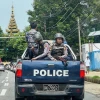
(7, 87)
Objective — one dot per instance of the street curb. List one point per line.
(89, 79)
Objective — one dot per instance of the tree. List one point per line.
(90, 20)
(1, 31)
(13, 48)
(27, 28)
(55, 16)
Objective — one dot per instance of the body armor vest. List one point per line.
(57, 50)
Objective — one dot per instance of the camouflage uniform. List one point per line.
(58, 51)
(42, 47)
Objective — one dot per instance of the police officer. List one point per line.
(30, 38)
(58, 50)
(42, 49)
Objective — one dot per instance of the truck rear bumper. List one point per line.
(31, 90)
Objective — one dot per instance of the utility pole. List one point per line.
(79, 37)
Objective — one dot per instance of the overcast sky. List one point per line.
(20, 10)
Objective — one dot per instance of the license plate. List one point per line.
(50, 87)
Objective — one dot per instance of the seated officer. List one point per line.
(58, 50)
(42, 49)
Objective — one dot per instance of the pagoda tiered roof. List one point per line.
(12, 27)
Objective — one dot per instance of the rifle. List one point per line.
(64, 61)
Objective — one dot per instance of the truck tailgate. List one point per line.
(50, 72)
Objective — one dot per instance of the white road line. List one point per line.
(6, 77)
(3, 81)
(6, 80)
(3, 92)
(7, 73)
(6, 84)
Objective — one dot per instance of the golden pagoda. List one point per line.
(12, 28)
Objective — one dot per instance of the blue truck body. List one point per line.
(49, 79)
(29, 66)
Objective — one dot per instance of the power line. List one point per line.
(96, 46)
(84, 21)
(71, 12)
(59, 20)
(81, 24)
(69, 35)
(63, 16)
(55, 14)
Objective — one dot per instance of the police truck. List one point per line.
(49, 79)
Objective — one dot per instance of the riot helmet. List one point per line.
(38, 37)
(59, 35)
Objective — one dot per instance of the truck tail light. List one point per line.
(82, 70)
(19, 70)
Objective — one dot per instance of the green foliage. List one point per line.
(1, 31)
(13, 48)
(95, 77)
(55, 16)
(26, 29)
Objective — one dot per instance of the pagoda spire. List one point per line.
(12, 27)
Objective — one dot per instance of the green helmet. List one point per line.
(59, 35)
(38, 37)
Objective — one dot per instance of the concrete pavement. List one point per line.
(92, 88)
(6, 85)
(7, 88)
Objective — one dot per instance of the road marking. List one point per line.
(3, 81)
(3, 92)
(6, 84)
(6, 77)
(7, 74)
(6, 80)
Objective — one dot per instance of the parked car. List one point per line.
(2, 68)
(13, 66)
(14, 69)
(7, 66)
